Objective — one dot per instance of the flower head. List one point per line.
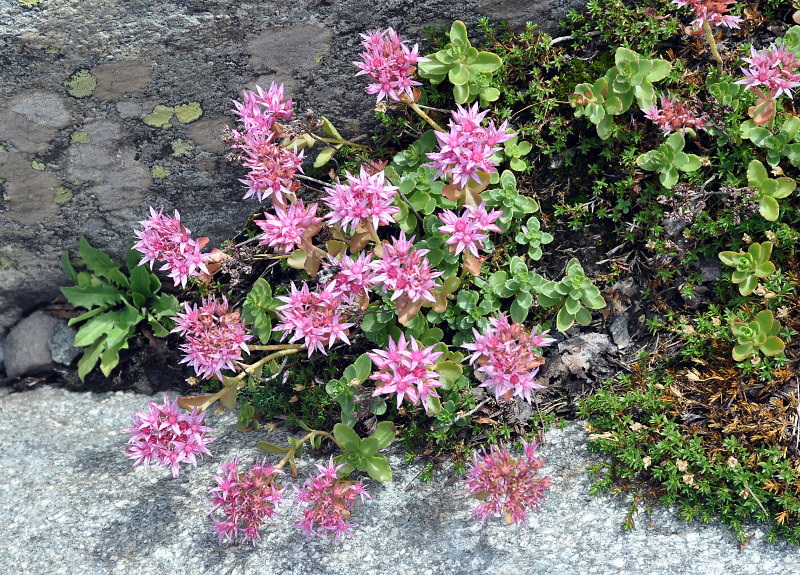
(167, 437)
(260, 109)
(291, 228)
(165, 239)
(272, 168)
(245, 500)
(366, 198)
(674, 115)
(389, 63)
(715, 12)
(468, 147)
(405, 371)
(773, 67)
(468, 230)
(507, 486)
(354, 277)
(405, 271)
(508, 357)
(324, 503)
(313, 316)
(215, 337)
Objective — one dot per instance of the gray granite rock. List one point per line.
(619, 331)
(70, 502)
(61, 344)
(80, 78)
(26, 348)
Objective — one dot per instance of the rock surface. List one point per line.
(26, 347)
(86, 510)
(82, 152)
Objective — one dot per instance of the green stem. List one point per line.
(251, 368)
(425, 116)
(712, 44)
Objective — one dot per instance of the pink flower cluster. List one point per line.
(167, 437)
(290, 228)
(245, 499)
(215, 337)
(715, 12)
(164, 239)
(366, 198)
(405, 371)
(674, 115)
(355, 276)
(405, 271)
(313, 316)
(508, 487)
(324, 503)
(468, 147)
(272, 167)
(390, 64)
(773, 67)
(508, 357)
(468, 230)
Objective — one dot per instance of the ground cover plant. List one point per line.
(526, 189)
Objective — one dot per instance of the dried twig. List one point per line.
(750, 491)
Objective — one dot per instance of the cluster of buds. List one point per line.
(675, 115)
(714, 12)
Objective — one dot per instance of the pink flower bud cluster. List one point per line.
(164, 239)
(405, 271)
(390, 64)
(715, 12)
(773, 67)
(507, 487)
(324, 503)
(674, 115)
(508, 357)
(245, 500)
(313, 316)
(165, 436)
(215, 337)
(405, 371)
(366, 198)
(468, 230)
(272, 167)
(468, 147)
(290, 228)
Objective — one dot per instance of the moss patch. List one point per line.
(81, 84)
(38, 166)
(181, 148)
(5, 262)
(159, 117)
(30, 3)
(79, 138)
(62, 195)
(187, 113)
(159, 172)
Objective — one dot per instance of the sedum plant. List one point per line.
(515, 150)
(467, 69)
(532, 235)
(519, 282)
(780, 145)
(116, 304)
(574, 293)
(750, 266)
(759, 335)
(668, 159)
(768, 190)
(508, 199)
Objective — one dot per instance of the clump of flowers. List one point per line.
(165, 239)
(167, 437)
(313, 316)
(260, 109)
(773, 67)
(354, 277)
(215, 337)
(674, 115)
(324, 503)
(405, 271)
(508, 357)
(467, 148)
(366, 198)
(507, 486)
(468, 230)
(245, 500)
(390, 64)
(715, 12)
(290, 228)
(405, 371)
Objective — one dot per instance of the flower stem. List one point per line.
(425, 116)
(712, 44)
(288, 350)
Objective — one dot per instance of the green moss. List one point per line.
(81, 84)
(79, 138)
(38, 166)
(187, 113)
(159, 117)
(30, 3)
(5, 262)
(62, 195)
(52, 50)
(159, 172)
(181, 148)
